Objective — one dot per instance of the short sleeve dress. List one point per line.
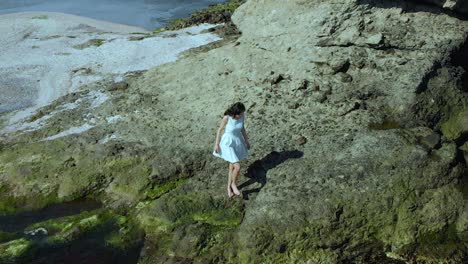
(232, 144)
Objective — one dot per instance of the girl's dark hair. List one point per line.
(235, 109)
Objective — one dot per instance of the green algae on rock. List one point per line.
(66, 174)
(12, 251)
(90, 43)
(66, 229)
(188, 225)
(159, 189)
(215, 14)
(456, 125)
(13, 203)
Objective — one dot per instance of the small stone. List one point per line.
(431, 141)
(451, 4)
(303, 85)
(344, 77)
(359, 63)
(39, 231)
(321, 96)
(118, 86)
(301, 140)
(278, 78)
(457, 125)
(282, 248)
(401, 61)
(375, 39)
(340, 65)
(136, 38)
(293, 105)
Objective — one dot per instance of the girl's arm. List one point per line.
(220, 129)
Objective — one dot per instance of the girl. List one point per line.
(234, 144)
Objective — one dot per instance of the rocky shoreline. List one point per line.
(357, 114)
(59, 58)
(215, 14)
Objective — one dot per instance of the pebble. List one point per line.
(118, 86)
(301, 140)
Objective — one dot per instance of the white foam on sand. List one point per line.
(70, 131)
(114, 119)
(108, 138)
(67, 51)
(98, 98)
(94, 98)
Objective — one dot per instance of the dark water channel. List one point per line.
(88, 248)
(18, 222)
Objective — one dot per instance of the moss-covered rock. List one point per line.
(90, 43)
(12, 203)
(126, 235)
(215, 14)
(118, 233)
(456, 124)
(65, 229)
(442, 246)
(189, 225)
(66, 173)
(14, 250)
(161, 188)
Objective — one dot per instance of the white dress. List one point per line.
(232, 144)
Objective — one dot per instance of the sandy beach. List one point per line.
(45, 55)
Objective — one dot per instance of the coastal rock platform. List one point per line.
(356, 113)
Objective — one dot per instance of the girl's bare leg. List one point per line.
(230, 194)
(235, 174)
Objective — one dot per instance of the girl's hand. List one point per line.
(216, 149)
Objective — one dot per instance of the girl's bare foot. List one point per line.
(230, 194)
(234, 188)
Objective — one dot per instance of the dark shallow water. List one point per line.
(91, 247)
(17, 222)
(149, 14)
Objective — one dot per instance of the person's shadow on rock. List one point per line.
(257, 171)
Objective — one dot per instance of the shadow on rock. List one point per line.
(258, 169)
(458, 10)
